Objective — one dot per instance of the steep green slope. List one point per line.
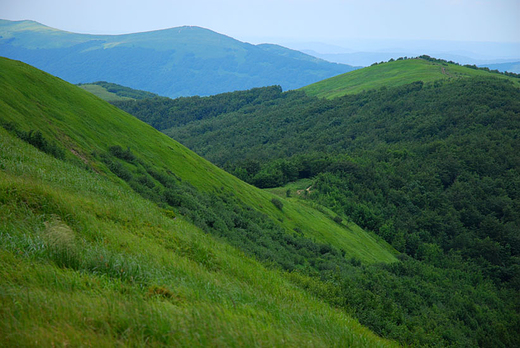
(86, 261)
(173, 62)
(391, 74)
(88, 127)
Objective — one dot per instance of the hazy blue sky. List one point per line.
(281, 20)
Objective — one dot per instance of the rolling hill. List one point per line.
(392, 74)
(428, 161)
(113, 233)
(173, 62)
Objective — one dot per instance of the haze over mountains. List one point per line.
(173, 62)
(366, 52)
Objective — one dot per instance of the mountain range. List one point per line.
(367, 52)
(173, 62)
(513, 67)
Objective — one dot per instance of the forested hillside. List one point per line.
(417, 164)
(433, 168)
(163, 113)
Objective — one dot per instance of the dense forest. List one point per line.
(163, 112)
(434, 169)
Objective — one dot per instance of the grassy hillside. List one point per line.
(89, 127)
(173, 62)
(112, 92)
(391, 74)
(85, 258)
(102, 93)
(86, 261)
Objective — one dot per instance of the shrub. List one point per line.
(119, 170)
(36, 139)
(118, 152)
(277, 203)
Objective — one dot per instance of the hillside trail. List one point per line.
(308, 189)
(444, 72)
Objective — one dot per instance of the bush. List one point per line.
(118, 152)
(119, 170)
(277, 203)
(36, 139)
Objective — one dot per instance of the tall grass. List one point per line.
(86, 261)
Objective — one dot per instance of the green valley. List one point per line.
(257, 174)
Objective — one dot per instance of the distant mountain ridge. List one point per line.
(513, 67)
(173, 62)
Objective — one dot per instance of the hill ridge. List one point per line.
(395, 73)
(181, 61)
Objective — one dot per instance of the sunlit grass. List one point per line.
(85, 261)
(88, 126)
(392, 74)
(102, 93)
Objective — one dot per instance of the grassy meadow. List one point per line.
(88, 262)
(102, 93)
